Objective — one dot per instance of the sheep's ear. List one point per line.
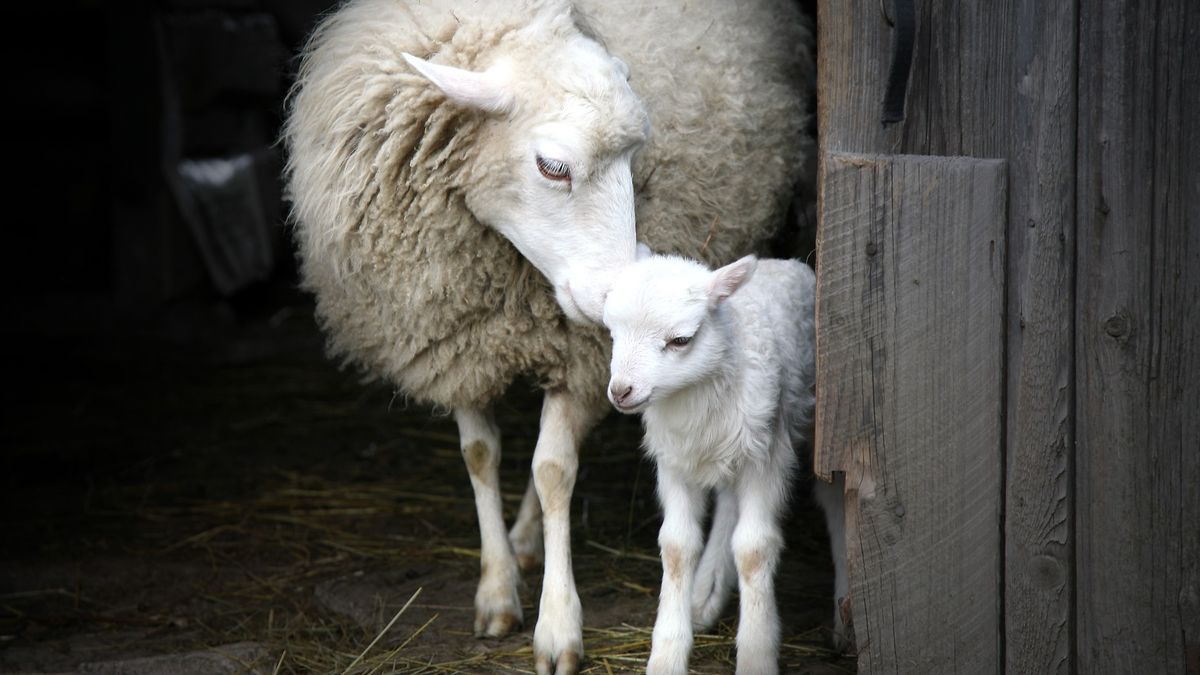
(643, 252)
(490, 90)
(726, 280)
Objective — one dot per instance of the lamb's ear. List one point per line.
(726, 280)
(643, 252)
(490, 90)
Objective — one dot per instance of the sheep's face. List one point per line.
(668, 335)
(554, 170)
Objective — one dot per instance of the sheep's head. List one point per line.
(552, 166)
(663, 312)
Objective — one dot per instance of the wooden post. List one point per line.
(1138, 337)
(910, 302)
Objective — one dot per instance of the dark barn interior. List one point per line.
(189, 485)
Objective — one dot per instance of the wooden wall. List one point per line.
(1092, 108)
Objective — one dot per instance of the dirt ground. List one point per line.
(200, 491)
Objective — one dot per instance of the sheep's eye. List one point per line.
(553, 169)
(681, 341)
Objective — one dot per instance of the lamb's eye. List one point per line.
(553, 169)
(681, 341)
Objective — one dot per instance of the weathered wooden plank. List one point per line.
(910, 344)
(853, 47)
(1040, 147)
(995, 80)
(1138, 338)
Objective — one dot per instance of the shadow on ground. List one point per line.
(203, 492)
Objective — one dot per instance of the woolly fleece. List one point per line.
(411, 287)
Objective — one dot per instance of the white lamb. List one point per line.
(721, 365)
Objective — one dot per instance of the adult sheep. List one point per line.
(463, 177)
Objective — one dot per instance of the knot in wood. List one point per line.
(871, 248)
(1048, 572)
(1116, 326)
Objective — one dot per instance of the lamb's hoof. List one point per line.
(497, 624)
(567, 663)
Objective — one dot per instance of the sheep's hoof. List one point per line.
(497, 624)
(529, 562)
(566, 664)
(843, 626)
(527, 545)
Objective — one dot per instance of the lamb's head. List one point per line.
(551, 169)
(668, 329)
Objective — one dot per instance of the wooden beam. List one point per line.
(1138, 338)
(1039, 430)
(910, 335)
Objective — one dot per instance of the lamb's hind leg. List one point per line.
(715, 576)
(497, 603)
(558, 637)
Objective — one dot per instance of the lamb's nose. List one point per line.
(620, 392)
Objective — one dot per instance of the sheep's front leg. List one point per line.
(715, 576)
(558, 637)
(757, 543)
(831, 497)
(526, 532)
(679, 544)
(497, 604)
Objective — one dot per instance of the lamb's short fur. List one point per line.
(391, 178)
(721, 365)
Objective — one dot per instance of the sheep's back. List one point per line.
(726, 84)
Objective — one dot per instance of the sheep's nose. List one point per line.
(620, 391)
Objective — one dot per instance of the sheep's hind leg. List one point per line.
(526, 533)
(497, 603)
(558, 637)
(831, 497)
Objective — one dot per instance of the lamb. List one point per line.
(721, 366)
(463, 181)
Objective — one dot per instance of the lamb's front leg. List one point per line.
(679, 545)
(757, 543)
(558, 637)
(497, 603)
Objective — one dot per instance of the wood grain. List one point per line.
(1040, 145)
(996, 80)
(910, 344)
(1138, 338)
